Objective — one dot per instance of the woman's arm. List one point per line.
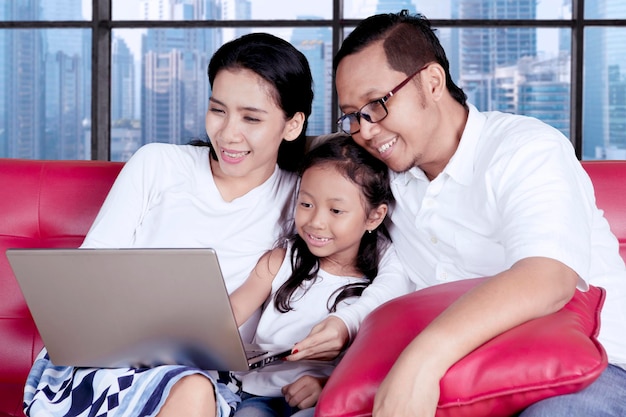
(128, 200)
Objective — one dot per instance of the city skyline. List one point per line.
(160, 93)
(265, 9)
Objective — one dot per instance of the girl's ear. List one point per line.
(294, 127)
(376, 217)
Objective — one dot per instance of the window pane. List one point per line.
(160, 88)
(605, 9)
(39, 10)
(517, 70)
(214, 10)
(604, 99)
(45, 91)
(463, 9)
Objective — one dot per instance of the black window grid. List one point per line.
(102, 25)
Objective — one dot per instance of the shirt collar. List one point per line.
(461, 165)
(404, 178)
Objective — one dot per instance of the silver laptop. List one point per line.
(134, 307)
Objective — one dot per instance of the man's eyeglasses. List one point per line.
(374, 111)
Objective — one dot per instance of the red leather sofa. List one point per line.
(42, 204)
(52, 204)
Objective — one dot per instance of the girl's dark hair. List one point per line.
(285, 68)
(372, 177)
(409, 42)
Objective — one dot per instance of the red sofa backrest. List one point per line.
(53, 203)
(609, 181)
(42, 204)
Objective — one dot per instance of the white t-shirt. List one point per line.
(309, 306)
(165, 196)
(513, 189)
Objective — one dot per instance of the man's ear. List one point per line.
(436, 80)
(294, 127)
(376, 217)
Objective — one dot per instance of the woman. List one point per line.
(233, 195)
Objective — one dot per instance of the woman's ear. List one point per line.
(294, 127)
(376, 217)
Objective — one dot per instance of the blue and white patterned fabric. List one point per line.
(85, 392)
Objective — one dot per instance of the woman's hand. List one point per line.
(325, 341)
(304, 392)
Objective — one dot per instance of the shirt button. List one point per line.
(443, 276)
(434, 240)
(428, 203)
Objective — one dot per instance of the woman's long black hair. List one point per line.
(285, 68)
(372, 178)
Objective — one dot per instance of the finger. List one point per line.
(302, 397)
(314, 347)
(315, 353)
(306, 402)
(290, 392)
(325, 341)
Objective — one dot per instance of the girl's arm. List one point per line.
(251, 295)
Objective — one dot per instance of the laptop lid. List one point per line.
(133, 307)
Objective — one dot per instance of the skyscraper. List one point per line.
(604, 105)
(154, 10)
(67, 83)
(45, 84)
(384, 6)
(175, 87)
(23, 119)
(122, 81)
(63, 104)
(538, 88)
(482, 50)
(315, 44)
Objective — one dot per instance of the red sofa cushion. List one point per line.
(552, 355)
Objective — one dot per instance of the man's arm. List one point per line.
(531, 288)
(328, 338)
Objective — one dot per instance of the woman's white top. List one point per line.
(165, 197)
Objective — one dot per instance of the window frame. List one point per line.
(102, 25)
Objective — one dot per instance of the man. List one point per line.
(477, 194)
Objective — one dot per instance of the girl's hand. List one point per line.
(325, 341)
(304, 392)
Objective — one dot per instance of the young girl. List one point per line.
(342, 201)
(230, 196)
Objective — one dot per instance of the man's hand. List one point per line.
(304, 392)
(325, 341)
(403, 393)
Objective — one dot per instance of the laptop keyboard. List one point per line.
(254, 353)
